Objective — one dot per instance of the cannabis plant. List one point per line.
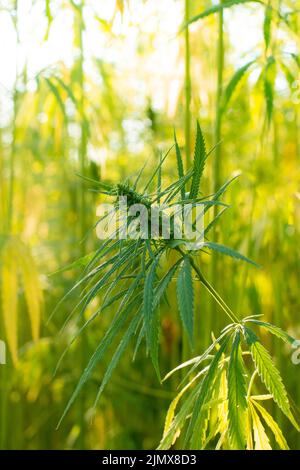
(218, 404)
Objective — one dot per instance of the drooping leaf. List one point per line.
(271, 423)
(172, 408)
(204, 395)
(260, 437)
(185, 298)
(269, 374)
(249, 435)
(179, 421)
(150, 316)
(162, 285)
(237, 402)
(117, 324)
(117, 355)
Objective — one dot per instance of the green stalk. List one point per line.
(187, 124)
(217, 166)
(297, 114)
(13, 145)
(83, 207)
(187, 88)
(218, 125)
(231, 315)
(278, 307)
(4, 390)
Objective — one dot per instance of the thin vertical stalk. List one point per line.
(187, 88)
(187, 125)
(83, 204)
(217, 167)
(218, 117)
(14, 116)
(4, 390)
(277, 291)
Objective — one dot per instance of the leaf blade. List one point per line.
(199, 162)
(237, 402)
(185, 298)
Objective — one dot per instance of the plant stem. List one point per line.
(251, 383)
(187, 87)
(14, 117)
(83, 205)
(233, 317)
(217, 168)
(218, 124)
(187, 123)
(216, 296)
(4, 390)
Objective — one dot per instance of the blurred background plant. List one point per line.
(95, 88)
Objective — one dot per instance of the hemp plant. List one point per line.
(130, 276)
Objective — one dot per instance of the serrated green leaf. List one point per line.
(179, 420)
(274, 330)
(269, 374)
(260, 437)
(279, 437)
(185, 298)
(225, 250)
(117, 355)
(162, 285)
(180, 169)
(192, 433)
(199, 163)
(237, 402)
(115, 327)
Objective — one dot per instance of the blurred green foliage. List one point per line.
(102, 106)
